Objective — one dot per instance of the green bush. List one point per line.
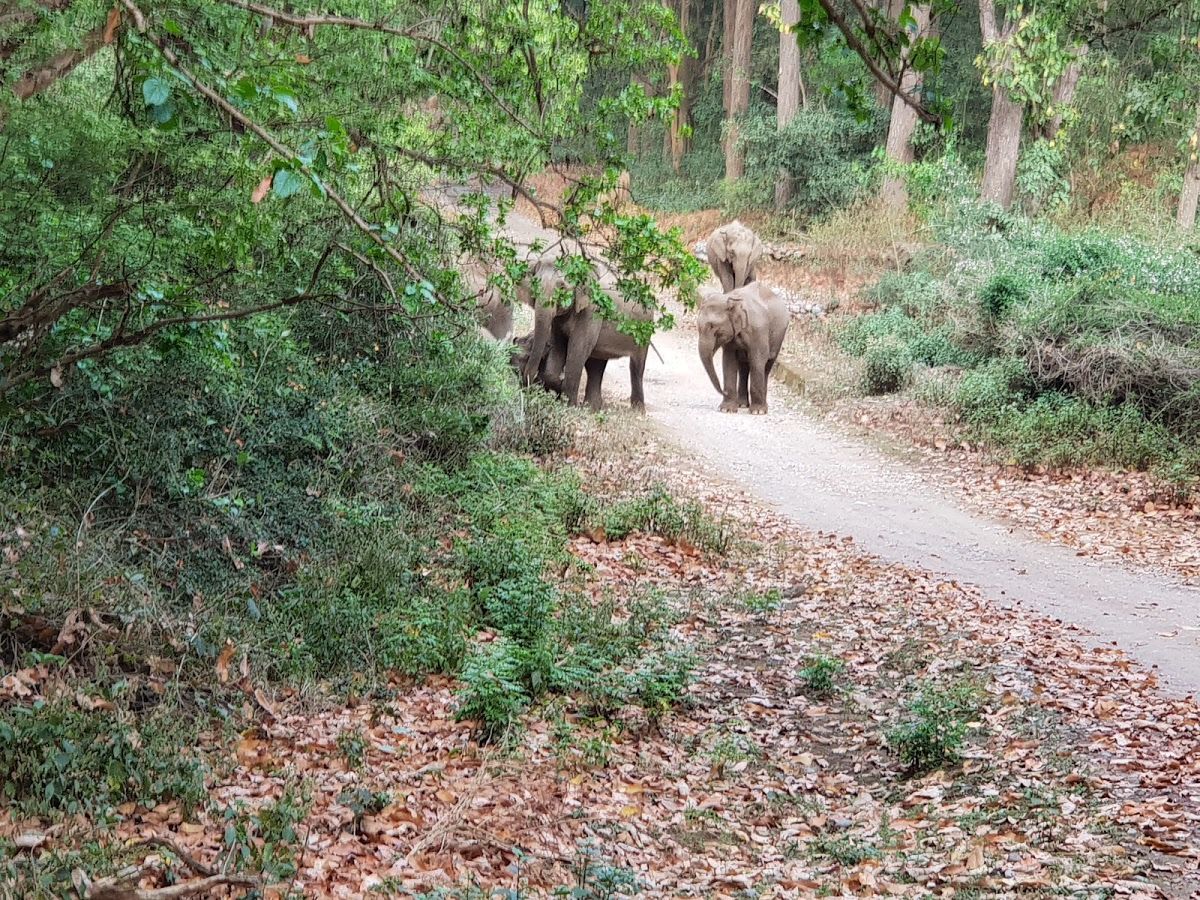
(1066, 256)
(657, 512)
(827, 151)
(820, 673)
(57, 758)
(1001, 294)
(935, 726)
(887, 368)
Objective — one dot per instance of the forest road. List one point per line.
(826, 481)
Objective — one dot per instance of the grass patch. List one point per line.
(934, 727)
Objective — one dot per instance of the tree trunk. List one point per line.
(739, 90)
(890, 9)
(677, 141)
(1003, 149)
(903, 122)
(1004, 125)
(1064, 92)
(729, 14)
(1189, 197)
(789, 88)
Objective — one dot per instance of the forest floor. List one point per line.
(858, 724)
(780, 776)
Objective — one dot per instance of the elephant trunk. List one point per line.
(708, 349)
(741, 269)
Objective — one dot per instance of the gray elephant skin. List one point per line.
(733, 251)
(574, 338)
(748, 326)
(495, 314)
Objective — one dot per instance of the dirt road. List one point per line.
(827, 481)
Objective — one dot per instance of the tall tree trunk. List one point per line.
(1003, 149)
(903, 122)
(729, 15)
(1004, 124)
(890, 9)
(1189, 197)
(789, 88)
(739, 89)
(677, 141)
(1064, 92)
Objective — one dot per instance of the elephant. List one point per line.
(574, 338)
(733, 250)
(748, 325)
(495, 314)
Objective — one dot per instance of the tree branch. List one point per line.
(63, 63)
(312, 22)
(213, 97)
(129, 339)
(855, 43)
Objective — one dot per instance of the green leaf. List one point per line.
(156, 91)
(286, 183)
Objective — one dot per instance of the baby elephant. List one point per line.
(748, 325)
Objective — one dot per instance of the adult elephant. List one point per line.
(748, 325)
(733, 251)
(574, 337)
(495, 313)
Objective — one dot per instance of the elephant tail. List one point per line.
(656, 353)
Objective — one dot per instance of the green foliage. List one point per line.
(820, 673)
(935, 726)
(658, 512)
(1001, 294)
(827, 151)
(56, 758)
(845, 850)
(887, 368)
(264, 841)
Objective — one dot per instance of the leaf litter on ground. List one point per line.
(1076, 775)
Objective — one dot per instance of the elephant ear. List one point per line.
(756, 250)
(739, 319)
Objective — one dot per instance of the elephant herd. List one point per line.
(746, 320)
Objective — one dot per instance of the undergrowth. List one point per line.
(271, 505)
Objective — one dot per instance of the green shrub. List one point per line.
(820, 673)
(891, 326)
(887, 368)
(935, 726)
(827, 151)
(493, 693)
(657, 512)
(1001, 294)
(57, 758)
(1066, 256)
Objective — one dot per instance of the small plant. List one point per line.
(730, 749)
(845, 850)
(887, 368)
(820, 673)
(264, 841)
(933, 731)
(661, 681)
(493, 695)
(57, 758)
(1001, 294)
(597, 879)
(352, 744)
(362, 801)
(762, 602)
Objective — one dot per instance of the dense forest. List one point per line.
(277, 516)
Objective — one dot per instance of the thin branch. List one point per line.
(855, 43)
(136, 337)
(311, 22)
(63, 63)
(213, 97)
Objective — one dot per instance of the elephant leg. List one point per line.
(595, 383)
(758, 384)
(770, 366)
(637, 368)
(729, 362)
(743, 379)
(579, 349)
